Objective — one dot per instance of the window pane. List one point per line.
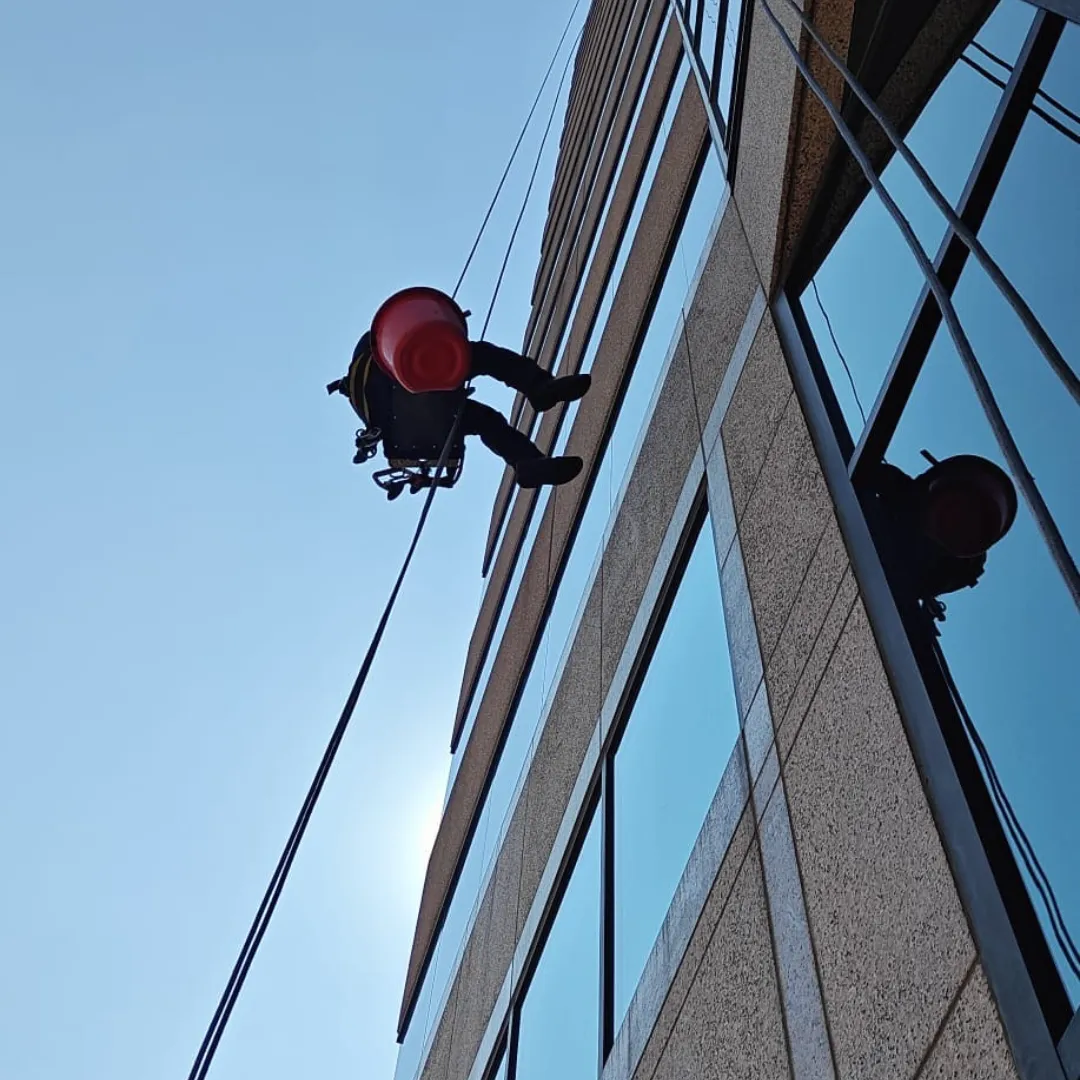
(1012, 642)
(727, 61)
(665, 322)
(709, 33)
(869, 284)
(678, 740)
(559, 1025)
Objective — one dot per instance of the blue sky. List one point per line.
(201, 206)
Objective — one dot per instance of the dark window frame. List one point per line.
(1042, 1026)
(690, 15)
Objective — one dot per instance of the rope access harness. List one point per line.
(208, 1048)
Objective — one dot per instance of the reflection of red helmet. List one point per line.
(421, 340)
(967, 504)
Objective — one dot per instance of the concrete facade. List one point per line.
(818, 930)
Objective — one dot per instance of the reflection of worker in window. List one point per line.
(369, 389)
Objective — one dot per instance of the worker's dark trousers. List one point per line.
(516, 371)
(495, 431)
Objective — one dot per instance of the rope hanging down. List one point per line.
(205, 1056)
(1017, 834)
(513, 153)
(528, 191)
(1040, 512)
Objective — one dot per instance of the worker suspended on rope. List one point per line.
(376, 397)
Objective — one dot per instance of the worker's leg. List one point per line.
(497, 433)
(530, 467)
(542, 390)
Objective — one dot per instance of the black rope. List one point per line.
(839, 351)
(1021, 841)
(205, 1056)
(1060, 106)
(211, 1040)
(528, 193)
(513, 153)
(1040, 112)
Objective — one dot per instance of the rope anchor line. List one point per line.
(205, 1056)
(211, 1040)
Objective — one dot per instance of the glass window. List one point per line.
(858, 318)
(612, 184)
(709, 32)
(1009, 644)
(678, 739)
(665, 326)
(559, 1019)
(1012, 642)
(732, 28)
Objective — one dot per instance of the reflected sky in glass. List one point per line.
(559, 1027)
(678, 740)
(869, 311)
(1012, 642)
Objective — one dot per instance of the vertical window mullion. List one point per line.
(607, 909)
(718, 52)
(512, 1041)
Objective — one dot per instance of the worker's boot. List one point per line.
(540, 471)
(551, 392)
(541, 390)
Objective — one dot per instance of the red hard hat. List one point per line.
(968, 504)
(420, 338)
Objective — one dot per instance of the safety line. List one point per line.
(517, 146)
(528, 190)
(839, 351)
(205, 1055)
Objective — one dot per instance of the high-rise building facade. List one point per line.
(761, 767)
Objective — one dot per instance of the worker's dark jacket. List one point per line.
(368, 386)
